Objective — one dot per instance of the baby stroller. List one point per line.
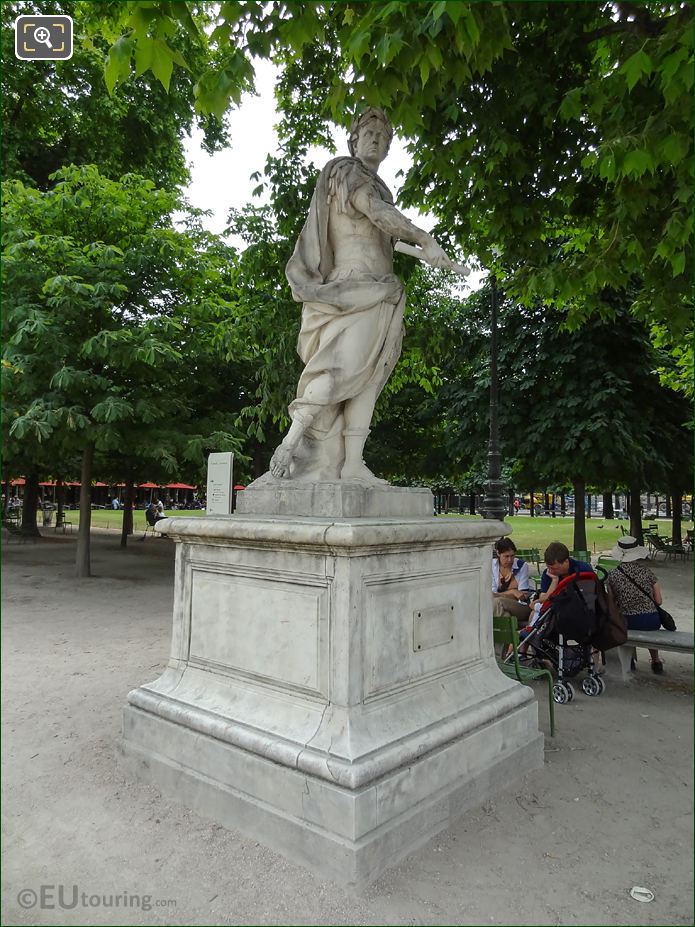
(563, 632)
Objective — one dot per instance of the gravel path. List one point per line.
(611, 809)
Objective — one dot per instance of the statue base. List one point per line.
(332, 689)
(333, 499)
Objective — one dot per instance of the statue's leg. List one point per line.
(316, 394)
(358, 416)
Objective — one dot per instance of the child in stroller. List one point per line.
(562, 634)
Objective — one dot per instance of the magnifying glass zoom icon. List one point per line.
(43, 35)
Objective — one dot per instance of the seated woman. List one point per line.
(636, 591)
(511, 589)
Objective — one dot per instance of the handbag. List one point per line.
(666, 618)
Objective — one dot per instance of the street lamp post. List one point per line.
(494, 503)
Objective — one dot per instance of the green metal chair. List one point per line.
(505, 632)
(604, 566)
(665, 547)
(530, 555)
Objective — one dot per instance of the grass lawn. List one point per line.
(539, 532)
(527, 532)
(108, 518)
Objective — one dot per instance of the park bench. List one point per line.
(674, 641)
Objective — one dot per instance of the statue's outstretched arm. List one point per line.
(392, 221)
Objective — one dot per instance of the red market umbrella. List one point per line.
(19, 482)
(100, 484)
(148, 486)
(48, 483)
(239, 486)
(178, 486)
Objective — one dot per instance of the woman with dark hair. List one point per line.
(511, 589)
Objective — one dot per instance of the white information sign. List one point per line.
(219, 494)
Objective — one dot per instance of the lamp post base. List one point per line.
(494, 503)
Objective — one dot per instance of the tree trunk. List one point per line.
(127, 512)
(563, 504)
(635, 513)
(668, 505)
(532, 504)
(471, 503)
(511, 502)
(31, 498)
(579, 542)
(60, 502)
(676, 524)
(608, 505)
(82, 561)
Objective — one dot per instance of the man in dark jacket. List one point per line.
(558, 565)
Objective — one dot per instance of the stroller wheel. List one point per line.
(591, 685)
(560, 693)
(570, 691)
(601, 685)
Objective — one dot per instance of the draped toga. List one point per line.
(336, 300)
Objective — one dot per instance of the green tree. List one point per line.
(60, 113)
(409, 442)
(108, 317)
(577, 408)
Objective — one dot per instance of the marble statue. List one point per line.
(352, 315)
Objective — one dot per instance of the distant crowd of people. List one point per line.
(195, 503)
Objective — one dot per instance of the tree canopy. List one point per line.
(109, 310)
(557, 134)
(60, 113)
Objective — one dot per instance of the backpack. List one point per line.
(611, 628)
(574, 606)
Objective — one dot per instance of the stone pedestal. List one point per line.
(333, 499)
(332, 689)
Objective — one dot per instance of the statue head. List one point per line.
(374, 120)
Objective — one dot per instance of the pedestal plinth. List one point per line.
(332, 688)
